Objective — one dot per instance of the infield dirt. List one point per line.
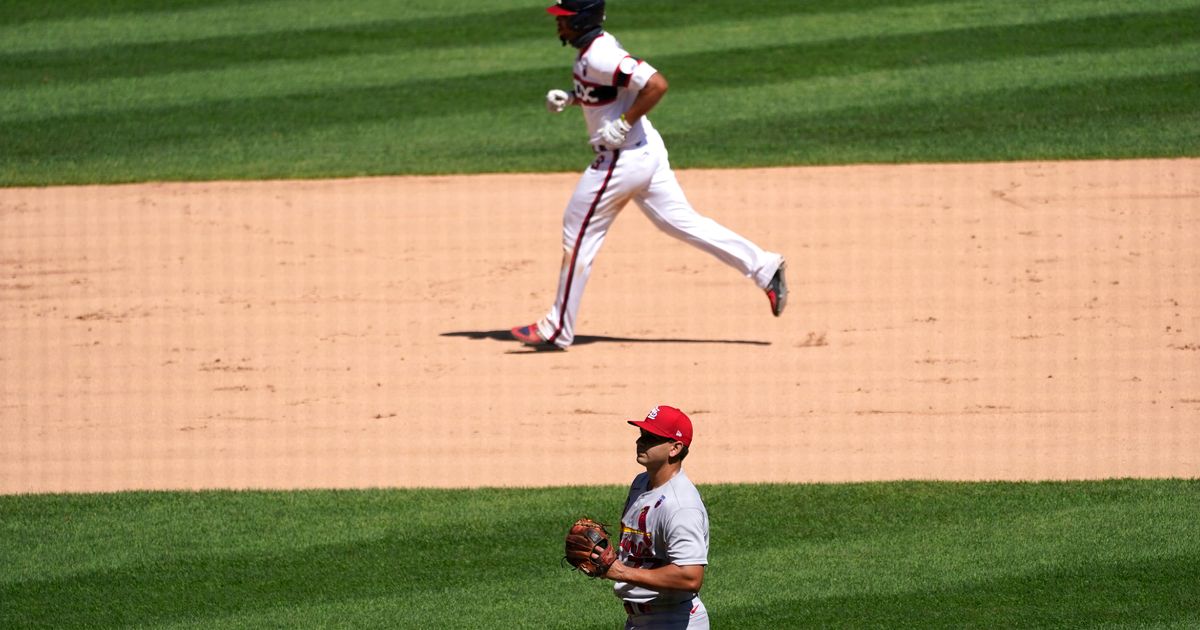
(963, 322)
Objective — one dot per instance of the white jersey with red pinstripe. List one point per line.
(607, 82)
(663, 525)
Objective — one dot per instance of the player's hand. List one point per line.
(613, 132)
(557, 100)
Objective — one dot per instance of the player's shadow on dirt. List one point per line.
(583, 340)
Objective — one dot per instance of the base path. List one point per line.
(962, 322)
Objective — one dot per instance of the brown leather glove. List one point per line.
(588, 548)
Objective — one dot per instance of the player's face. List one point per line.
(653, 449)
(564, 27)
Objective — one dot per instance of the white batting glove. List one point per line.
(557, 100)
(613, 132)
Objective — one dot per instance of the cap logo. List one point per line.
(653, 414)
(678, 434)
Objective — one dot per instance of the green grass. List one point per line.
(1115, 554)
(185, 90)
(135, 90)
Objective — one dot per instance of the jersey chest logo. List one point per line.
(638, 542)
(593, 94)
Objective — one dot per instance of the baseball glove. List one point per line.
(588, 548)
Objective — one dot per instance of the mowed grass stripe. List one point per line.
(200, 556)
(787, 116)
(1056, 122)
(1018, 43)
(91, 28)
(392, 52)
(413, 45)
(1083, 595)
(717, 22)
(734, 68)
(748, 99)
(886, 555)
(126, 26)
(951, 563)
(1004, 78)
(355, 75)
(955, 130)
(28, 13)
(836, 21)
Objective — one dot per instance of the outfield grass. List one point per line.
(135, 90)
(185, 90)
(1115, 554)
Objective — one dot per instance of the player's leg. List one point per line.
(688, 615)
(601, 193)
(668, 208)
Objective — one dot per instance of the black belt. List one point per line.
(633, 609)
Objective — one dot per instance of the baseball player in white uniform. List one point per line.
(664, 531)
(615, 91)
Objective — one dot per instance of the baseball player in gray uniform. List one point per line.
(615, 91)
(664, 531)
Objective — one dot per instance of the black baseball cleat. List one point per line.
(777, 291)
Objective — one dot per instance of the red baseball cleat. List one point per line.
(777, 291)
(528, 335)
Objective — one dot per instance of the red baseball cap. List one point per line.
(559, 10)
(667, 422)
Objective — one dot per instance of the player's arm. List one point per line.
(647, 98)
(670, 576)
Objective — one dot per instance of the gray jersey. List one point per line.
(666, 525)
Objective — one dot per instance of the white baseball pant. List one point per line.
(642, 174)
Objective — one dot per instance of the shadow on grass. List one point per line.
(1144, 592)
(1134, 594)
(441, 547)
(213, 586)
